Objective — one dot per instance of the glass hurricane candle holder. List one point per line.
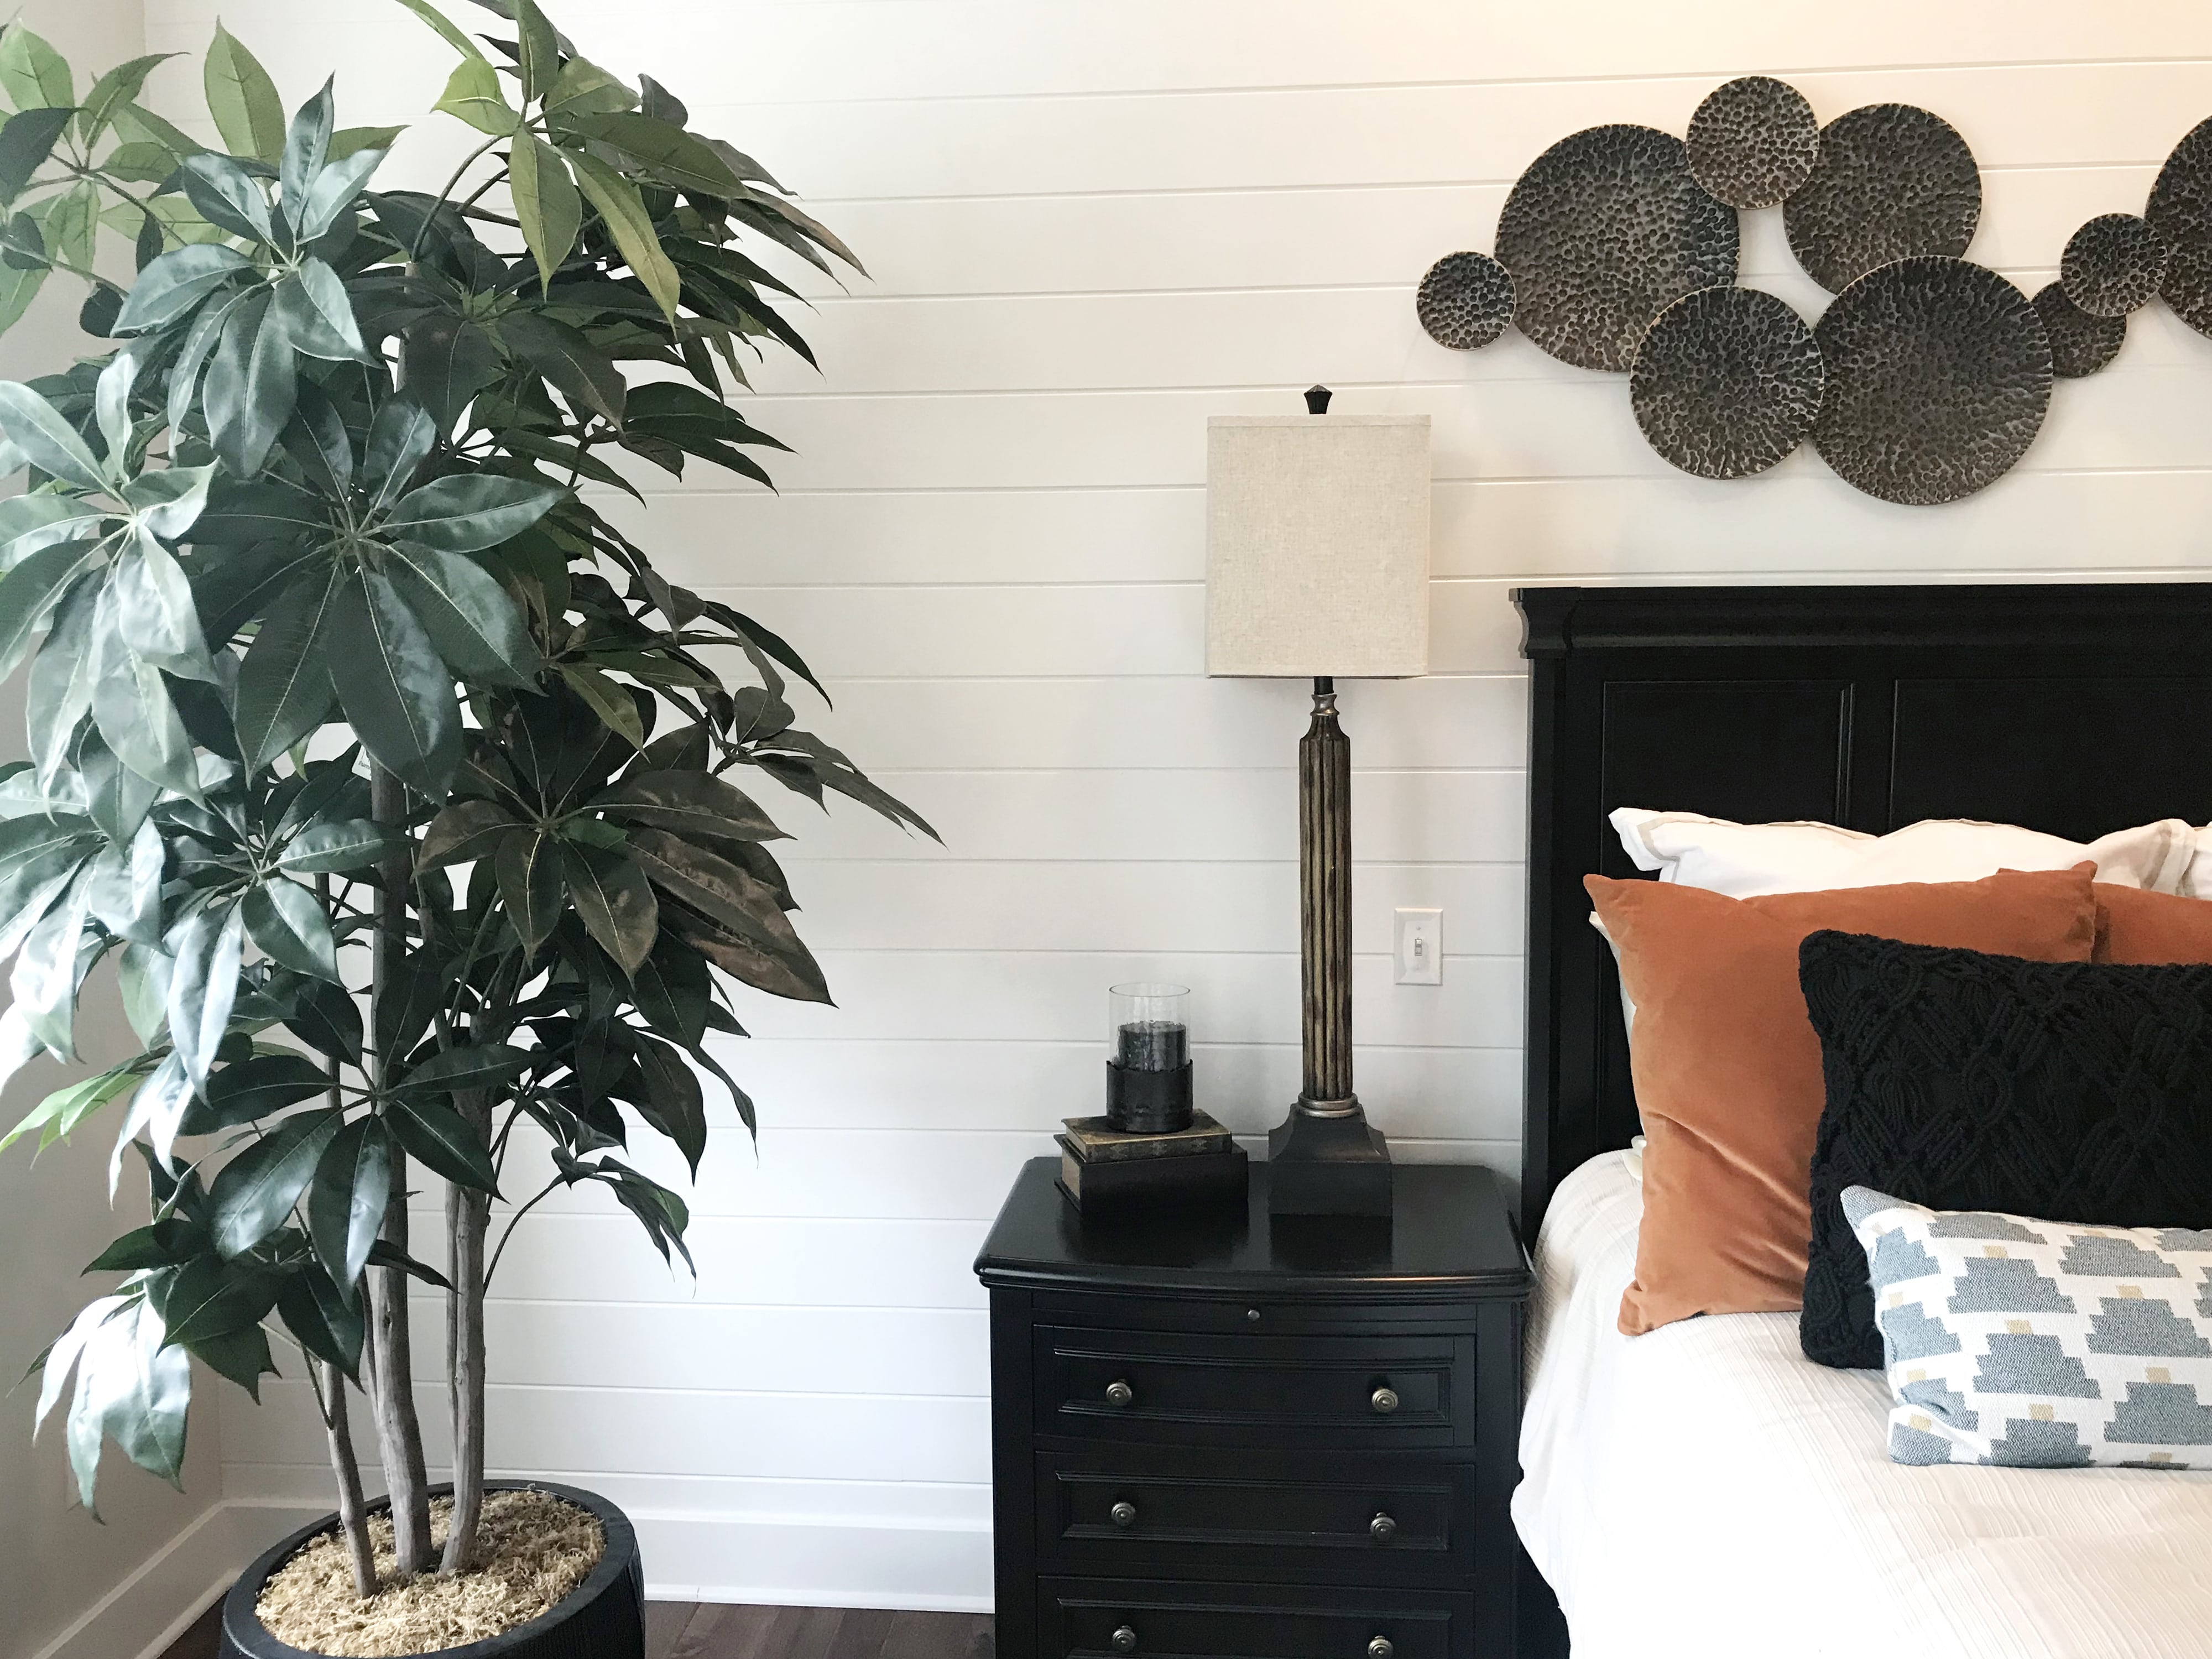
(1148, 1077)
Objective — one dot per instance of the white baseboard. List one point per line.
(780, 1561)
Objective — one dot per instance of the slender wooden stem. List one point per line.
(468, 1219)
(399, 1430)
(353, 1516)
(1325, 900)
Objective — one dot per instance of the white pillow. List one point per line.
(1744, 861)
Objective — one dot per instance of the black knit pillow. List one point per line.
(2080, 1091)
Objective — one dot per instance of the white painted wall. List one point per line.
(1091, 224)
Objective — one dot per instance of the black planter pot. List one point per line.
(603, 1617)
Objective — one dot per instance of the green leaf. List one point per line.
(674, 1105)
(539, 48)
(318, 316)
(610, 701)
(395, 688)
(32, 73)
(251, 386)
(26, 142)
(479, 629)
(400, 438)
(468, 511)
(243, 99)
(113, 92)
(307, 147)
(227, 195)
(381, 1254)
(320, 1317)
(615, 901)
(168, 1242)
(442, 1139)
(251, 1090)
(730, 896)
(345, 1207)
(128, 1385)
(254, 1195)
(175, 283)
(472, 93)
(584, 88)
(17, 289)
(48, 442)
(590, 378)
(631, 226)
(445, 360)
(347, 844)
(681, 158)
(317, 438)
(185, 375)
(340, 182)
(465, 831)
(64, 1109)
(478, 1066)
(28, 590)
(528, 870)
(351, 140)
(48, 969)
(126, 878)
(130, 705)
(282, 918)
(284, 684)
(326, 1018)
(447, 31)
(694, 804)
(545, 201)
(208, 949)
(152, 607)
(242, 1355)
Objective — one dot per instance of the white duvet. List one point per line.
(1707, 1491)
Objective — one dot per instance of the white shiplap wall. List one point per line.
(1092, 223)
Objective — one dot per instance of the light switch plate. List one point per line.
(1417, 940)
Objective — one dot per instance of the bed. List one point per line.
(1704, 1489)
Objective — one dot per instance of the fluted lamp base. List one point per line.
(1327, 1162)
(1324, 1159)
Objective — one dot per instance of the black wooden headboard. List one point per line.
(2074, 710)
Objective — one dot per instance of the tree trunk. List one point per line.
(399, 1431)
(468, 1217)
(353, 1518)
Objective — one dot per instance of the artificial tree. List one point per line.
(339, 691)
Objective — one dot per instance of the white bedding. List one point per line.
(1707, 1491)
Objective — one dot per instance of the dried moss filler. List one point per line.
(533, 1550)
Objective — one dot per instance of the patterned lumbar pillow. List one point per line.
(2040, 1344)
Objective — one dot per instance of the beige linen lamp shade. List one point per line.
(1317, 546)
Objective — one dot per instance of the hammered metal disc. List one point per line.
(1727, 382)
(1753, 141)
(2081, 342)
(1604, 230)
(2112, 264)
(1892, 181)
(2180, 210)
(1465, 300)
(1939, 374)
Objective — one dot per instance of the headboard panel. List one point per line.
(2074, 710)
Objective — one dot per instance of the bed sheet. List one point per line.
(1706, 1490)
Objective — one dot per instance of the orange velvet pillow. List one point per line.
(1727, 1068)
(2134, 926)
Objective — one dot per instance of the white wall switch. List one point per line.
(1417, 944)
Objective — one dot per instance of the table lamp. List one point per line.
(1318, 566)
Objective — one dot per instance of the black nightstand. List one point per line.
(1229, 1435)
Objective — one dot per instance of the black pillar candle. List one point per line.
(1154, 1045)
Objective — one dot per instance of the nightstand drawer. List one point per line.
(1245, 1515)
(1330, 1391)
(1098, 1618)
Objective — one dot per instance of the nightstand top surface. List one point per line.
(1449, 1237)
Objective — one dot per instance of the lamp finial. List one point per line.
(1317, 398)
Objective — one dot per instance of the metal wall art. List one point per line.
(1927, 376)
(1727, 382)
(1465, 300)
(1604, 229)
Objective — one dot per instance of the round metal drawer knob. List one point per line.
(1125, 1640)
(1123, 1514)
(1119, 1393)
(1382, 1529)
(1385, 1401)
(1380, 1648)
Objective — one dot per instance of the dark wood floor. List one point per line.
(685, 1630)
